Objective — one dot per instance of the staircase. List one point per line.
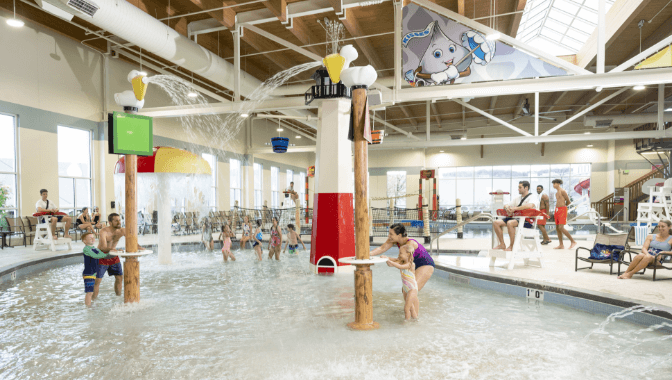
(605, 206)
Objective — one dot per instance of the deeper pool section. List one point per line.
(201, 318)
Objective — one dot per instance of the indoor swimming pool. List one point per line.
(205, 319)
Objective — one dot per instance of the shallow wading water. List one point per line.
(201, 318)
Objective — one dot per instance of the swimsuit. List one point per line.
(259, 236)
(655, 247)
(227, 244)
(246, 230)
(207, 233)
(275, 238)
(91, 266)
(408, 281)
(421, 257)
(292, 248)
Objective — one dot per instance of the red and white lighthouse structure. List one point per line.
(333, 213)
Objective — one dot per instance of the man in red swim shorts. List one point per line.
(561, 203)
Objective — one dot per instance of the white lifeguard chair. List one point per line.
(526, 245)
(44, 236)
(652, 212)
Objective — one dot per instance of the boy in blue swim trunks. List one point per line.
(91, 257)
(293, 240)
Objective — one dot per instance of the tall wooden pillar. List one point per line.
(363, 274)
(131, 264)
(420, 198)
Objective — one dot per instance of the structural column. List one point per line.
(333, 225)
(363, 275)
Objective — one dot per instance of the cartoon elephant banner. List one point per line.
(438, 51)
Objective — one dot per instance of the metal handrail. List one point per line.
(487, 216)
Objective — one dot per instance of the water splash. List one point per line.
(600, 330)
(335, 34)
(219, 132)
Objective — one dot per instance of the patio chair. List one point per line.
(631, 250)
(31, 222)
(616, 256)
(16, 226)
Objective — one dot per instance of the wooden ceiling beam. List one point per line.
(618, 101)
(408, 115)
(301, 31)
(637, 108)
(436, 114)
(515, 23)
(279, 8)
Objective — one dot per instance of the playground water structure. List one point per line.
(277, 320)
(163, 191)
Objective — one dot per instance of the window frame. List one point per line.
(387, 188)
(258, 192)
(235, 190)
(16, 173)
(74, 207)
(215, 176)
(275, 187)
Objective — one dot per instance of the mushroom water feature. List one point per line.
(167, 177)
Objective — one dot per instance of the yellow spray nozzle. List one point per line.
(139, 87)
(334, 64)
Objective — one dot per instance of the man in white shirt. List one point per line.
(526, 200)
(44, 205)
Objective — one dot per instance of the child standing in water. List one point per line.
(293, 240)
(225, 237)
(246, 232)
(257, 240)
(91, 256)
(409, 286)
(275, 243)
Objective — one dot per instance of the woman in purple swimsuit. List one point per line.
(424, 264)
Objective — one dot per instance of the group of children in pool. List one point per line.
(274, 244)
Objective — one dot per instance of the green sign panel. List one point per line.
(131, 134)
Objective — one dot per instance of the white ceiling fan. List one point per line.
(525, 111)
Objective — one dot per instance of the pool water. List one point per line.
(201, 318)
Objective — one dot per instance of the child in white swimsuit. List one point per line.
(409, 286)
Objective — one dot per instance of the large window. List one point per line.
(290, 178)
(74, 169)
(472, 185)
(8, 167)
(212, 197)
(396, 186)
(275, 188)
(236, 181)
(258, 185)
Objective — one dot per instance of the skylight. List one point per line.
(559, 27)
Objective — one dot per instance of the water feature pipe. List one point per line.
(128, 22)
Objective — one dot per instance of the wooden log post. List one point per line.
(458, 217)
(131, 264)
(425, 225)
(307, 191)
(363, 274)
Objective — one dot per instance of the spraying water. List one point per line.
(168, 192)
(335, 34)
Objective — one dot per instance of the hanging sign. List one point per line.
(440, 51)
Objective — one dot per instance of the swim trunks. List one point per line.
(526, 224)
(112, 270)
(292, 249)
(560, 215)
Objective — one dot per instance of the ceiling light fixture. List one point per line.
(598, 88)
(298, 137)
(590, 145)
(279, 129)
(14, 21)
(639, 87)
(463, 138)
(192, 94)
(440, 151)
(586, 133)
(244, 115)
